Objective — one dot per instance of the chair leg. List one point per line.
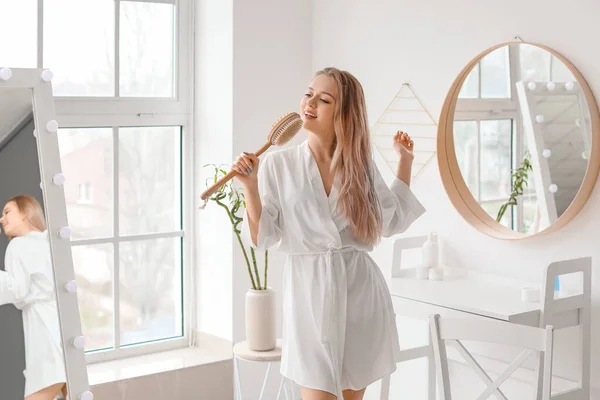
(385, 388)
(285, 388)
(264, 385)
(431, 391)
(236, 377)
(280, 388)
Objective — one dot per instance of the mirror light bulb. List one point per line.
(5, 73)
(64, 232)
(52, 126)
(550, 86)
(58, 179)
(547, 153)
(553, 188)
(35, 132)
(539, 118)
(584, 155)
(578, 123)
(79, 342)
(87, 395)
(47, 75)
(532, 86)
(569, 86)
(71, 287)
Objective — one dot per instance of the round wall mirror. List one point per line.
(518, 141)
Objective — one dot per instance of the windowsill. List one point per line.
(209, 350)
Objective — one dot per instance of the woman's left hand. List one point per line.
(403, 145)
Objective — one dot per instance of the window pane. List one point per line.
(535, 63)
(466, 148)
(93, 266)
(496, 162)
(147, 36)
(79, 46)
(18, 32)
(150, 290)
(149, 180)
(492, 208)
(87, 162)
(495, 74)
(560, 72)
(530, 216)
(470, 87)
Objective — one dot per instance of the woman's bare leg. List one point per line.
(354, 394)
(312, 394)
(48, 393)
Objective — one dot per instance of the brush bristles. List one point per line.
(286, 129)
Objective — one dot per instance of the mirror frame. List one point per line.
(56, 218)
(453, 181)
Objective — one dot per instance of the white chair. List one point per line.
(554, 310)
(449, 330)
(413, 353)
(241, 352)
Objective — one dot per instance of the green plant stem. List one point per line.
(241, 243)
(255, 268)
(266, 266)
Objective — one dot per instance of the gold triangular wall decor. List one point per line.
(406, 113)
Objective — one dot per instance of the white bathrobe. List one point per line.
(28, 283)
(339, 329)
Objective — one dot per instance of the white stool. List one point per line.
(242, 352)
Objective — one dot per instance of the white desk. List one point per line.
(471, 295)
(469, 292)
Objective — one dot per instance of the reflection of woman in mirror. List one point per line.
(28, 283)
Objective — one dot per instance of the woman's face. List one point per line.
(318, 105)
(13, 222)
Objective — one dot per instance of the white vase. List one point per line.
(261, 334)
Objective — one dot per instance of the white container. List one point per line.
(430, 251)
(422, 273)
(436, 274)
(261, 334)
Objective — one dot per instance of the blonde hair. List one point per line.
(352, 159)
(31, 209)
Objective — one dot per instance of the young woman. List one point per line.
(28, 283)
(325, 204)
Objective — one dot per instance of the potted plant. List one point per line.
(520, 177)
(261, 332)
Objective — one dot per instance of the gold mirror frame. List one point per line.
(452, 178)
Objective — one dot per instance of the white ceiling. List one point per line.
(15, 105)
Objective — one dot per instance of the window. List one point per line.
(84, 193)
(490, 78)
(485, 158)
(122, 85)
(540, 65)
(20, 22)
(131, 236)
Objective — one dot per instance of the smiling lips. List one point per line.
(309, 115)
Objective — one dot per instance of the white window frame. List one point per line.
(120, 112)
(87, 194)
(471, 109)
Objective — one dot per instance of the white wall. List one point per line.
(272, 67)
(213, 145)
(253, 61)
(427, 43)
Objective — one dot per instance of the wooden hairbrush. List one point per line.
(281, 133)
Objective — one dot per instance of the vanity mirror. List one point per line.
(518, 147)
(41, 352)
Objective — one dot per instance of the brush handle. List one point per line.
(211, 190)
